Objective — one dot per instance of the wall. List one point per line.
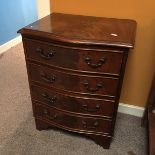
(15, 14)
(43, 8)
(141, 62)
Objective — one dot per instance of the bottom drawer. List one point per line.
(72, 122)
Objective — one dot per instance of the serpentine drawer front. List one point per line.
(75, 67)
(99, 85)
(85, 124)
(82, 60)
(73, 104)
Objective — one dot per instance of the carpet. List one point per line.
(18, 135)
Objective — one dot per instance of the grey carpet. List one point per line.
(18, 135)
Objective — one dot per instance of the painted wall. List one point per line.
(141, 62)
(15, 14)
(43, 8)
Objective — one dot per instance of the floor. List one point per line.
(18, 135)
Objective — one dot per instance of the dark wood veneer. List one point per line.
(41, 51)
(95, 85)
(82, 123)
(67, 28)
(75, 68)
(73, 104)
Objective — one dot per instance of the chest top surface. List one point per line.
(84, 29)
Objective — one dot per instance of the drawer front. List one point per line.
(75, 59)
(72, 121)
(85, 106)
(95, 85)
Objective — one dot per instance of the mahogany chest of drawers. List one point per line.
(75, 68)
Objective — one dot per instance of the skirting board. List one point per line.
(131, 109)
(10, 44)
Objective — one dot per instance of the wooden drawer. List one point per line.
(95, 85)
(79, 105)
(108, 62)
(72, 122)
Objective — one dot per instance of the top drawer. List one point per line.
(83, 60)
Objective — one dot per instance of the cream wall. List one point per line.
(43, 8)
(141, 62)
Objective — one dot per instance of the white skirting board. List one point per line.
(131, 109)
(10, 44)
(123, 108)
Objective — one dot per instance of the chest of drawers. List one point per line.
(75, 67)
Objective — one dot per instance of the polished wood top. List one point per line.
(84, 29)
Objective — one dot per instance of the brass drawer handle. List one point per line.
(93, 126)
(98, 86)
(97, 107)
(52, 117)
(88, 60)
(43, 55)
(47, 114)
(47, 78)
(49, 98)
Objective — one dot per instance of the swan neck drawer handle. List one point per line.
(93, 126)
(47, 56)
(98, 86)
(51, 99)
(86, 108)
(48, 115)
(101, 61)
(47, 78)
